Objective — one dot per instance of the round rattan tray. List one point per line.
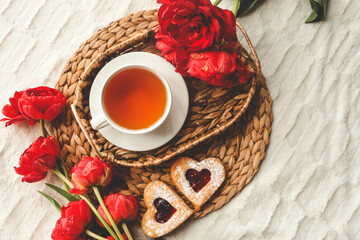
(233, 125)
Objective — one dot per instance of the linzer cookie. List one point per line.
(198, 181)
(165, 210)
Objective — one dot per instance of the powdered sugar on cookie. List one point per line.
(178, 171)
(158, 189)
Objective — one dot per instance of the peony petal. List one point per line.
(29, 111)
(121, 207)
(227, 21)
(13, 120)
(33, 103)
(9, 111)
(217, 68)
(53, 111)
(51, 145)
(36, 160)
(23, 170)
(33, 177)
(44, 163)
(78, 191)
(68, 228)
(89, 172)
(80, 183)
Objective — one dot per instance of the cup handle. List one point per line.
(99, 122)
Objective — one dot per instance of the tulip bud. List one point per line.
(41, 103)
(12, 113)
(89, 172)
(39, 158)
(73, 221)
(121, 208)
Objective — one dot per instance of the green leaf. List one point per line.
(319, 11)
(246, 6)
(63, 193)
(53, 201)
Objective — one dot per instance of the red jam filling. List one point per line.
(164, 210)
(198, 179)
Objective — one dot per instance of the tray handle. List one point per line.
(83, 129)
(252, 49)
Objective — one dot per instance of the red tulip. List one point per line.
(111, 238)
(41, 103)
(89, 172)
(12, 113)
(73, 221)
(121, 208)
(39, 158)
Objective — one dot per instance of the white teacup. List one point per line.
(102, 120)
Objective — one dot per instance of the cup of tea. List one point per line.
(134, 100)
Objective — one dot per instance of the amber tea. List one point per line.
(135, 98)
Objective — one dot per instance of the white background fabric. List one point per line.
(307, 187)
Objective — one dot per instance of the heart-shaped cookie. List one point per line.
(165, 210)
(198, 181)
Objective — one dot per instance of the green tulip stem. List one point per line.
(66, 172)
(94, 235)
(102, 220)
(107, 213)
(236, 7)
(61, 165)
(66, 186)
(43, 129)
(217, 2)
(67, 181)
(126, 230)
(62, 177)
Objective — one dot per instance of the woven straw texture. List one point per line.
(217, 124)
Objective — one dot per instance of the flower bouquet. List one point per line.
(200, 40)
(77, 220)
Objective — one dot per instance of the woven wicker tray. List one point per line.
(238, 137)
(212, 109)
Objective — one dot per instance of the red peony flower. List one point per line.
(189, 30)
(213, 67)
(41, 103)
(73, 221)
(218, 67)
(12, 113)
(39, 158)
(179, 56)
(89, 172)
(194, 24)
(121, 208)
(123, 235)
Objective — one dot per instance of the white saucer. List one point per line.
(177, 115)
